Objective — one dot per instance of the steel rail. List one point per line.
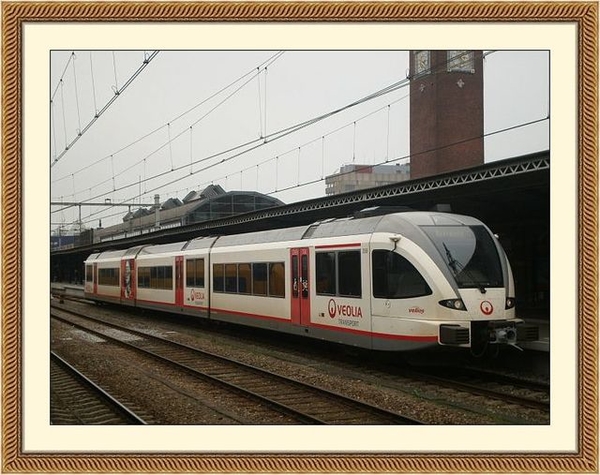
(382, 414)
(115, 406)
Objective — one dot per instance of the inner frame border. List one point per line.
(583, 14)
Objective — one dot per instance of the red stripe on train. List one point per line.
(386, 336)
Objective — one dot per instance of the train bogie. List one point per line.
(398, 282)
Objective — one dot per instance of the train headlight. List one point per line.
(454, 304)
(510, 303)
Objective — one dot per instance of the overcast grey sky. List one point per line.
(192, 118)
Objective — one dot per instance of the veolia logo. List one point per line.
(486, 307)
(343, 310)
(331, 308)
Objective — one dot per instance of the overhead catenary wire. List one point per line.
(253, 144)
(169, 141)
(93, 85)
(76, 93)
(320, 179)
(118, 92)
(404, 157)
(62, 76)
(87, 167)
(301, 125)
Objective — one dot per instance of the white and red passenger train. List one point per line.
(401, 281)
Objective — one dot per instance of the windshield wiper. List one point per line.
(457, 268)
(453, 263)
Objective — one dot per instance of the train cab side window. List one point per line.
(339, 273)
(349, 274)
(394, 277)
(325, 272)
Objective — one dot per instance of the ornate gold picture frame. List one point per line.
(17, 14)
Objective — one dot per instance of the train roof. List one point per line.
(98, 256)
(162, 248)
(406, 223)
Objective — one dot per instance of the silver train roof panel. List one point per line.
(162, 248)
(262, 237)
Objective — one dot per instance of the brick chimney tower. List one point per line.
(446, 111)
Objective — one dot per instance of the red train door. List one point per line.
(179, 281)
(300, 286)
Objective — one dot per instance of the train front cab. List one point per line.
(446, 283)
(482, 294)
(103, 276)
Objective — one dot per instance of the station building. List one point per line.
(360, 177)
(212, 203)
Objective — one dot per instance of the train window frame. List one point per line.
(143, 277)
(155, 277)
(247, 287)
(195, 272)
(264, 279)
(89, 273)
(109, 276)
(349, 289)
(338, 286)
(231, 278)
(380, 272)
(218, 288)
(276, 281)
(323, 268)
(260, 269)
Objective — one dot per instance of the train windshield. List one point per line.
(470, 253)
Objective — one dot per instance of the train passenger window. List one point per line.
(394, 277)
(244, 278)
(194, 272)
(259, 279)
(277, 279)
(349, 273)
(158, 277)
(231, 278)
(325, 272)
(89, 272)
(108, 276)
(218, 277)
(161, 277)
(144, 277)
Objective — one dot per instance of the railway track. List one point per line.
(511, 390)
(305, 403)
(78, 400)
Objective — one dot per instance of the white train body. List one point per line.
(395, 282)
